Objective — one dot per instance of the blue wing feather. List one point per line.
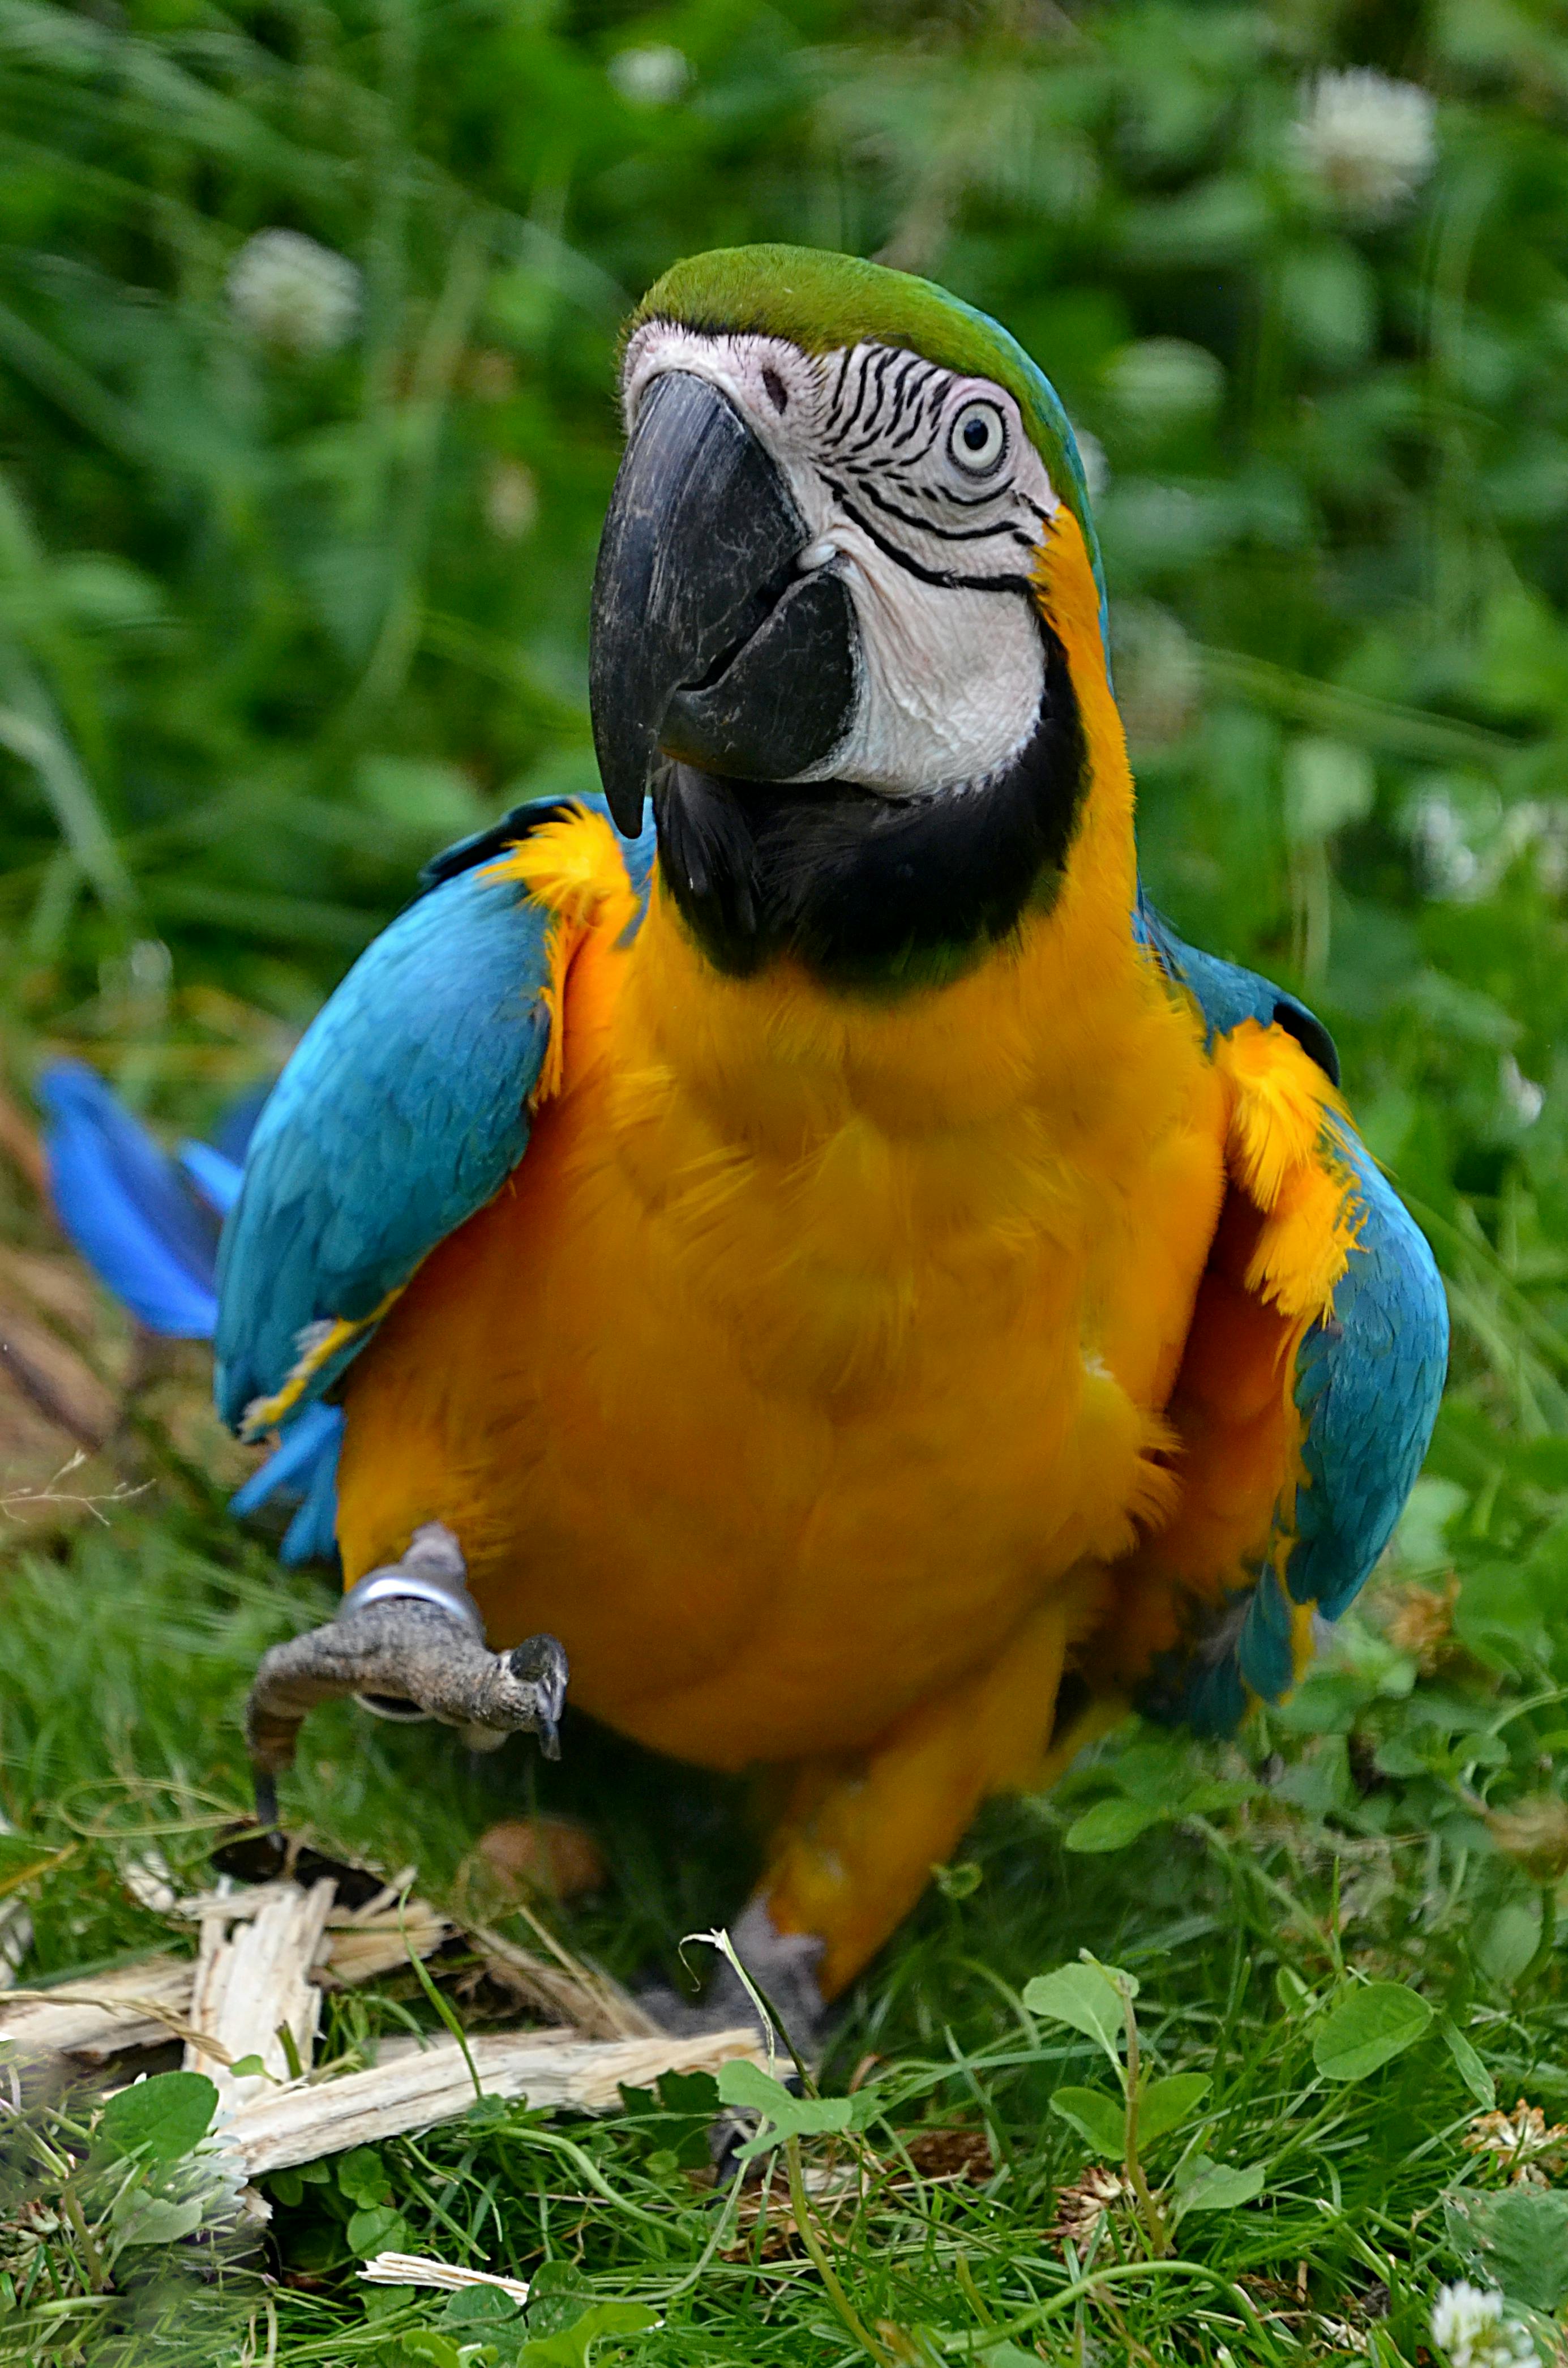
(481, 845)
(312, 1535)
(304, 1466)
(1226, 993)
(215, 1175)
(1367, 1385)
(404, 1111)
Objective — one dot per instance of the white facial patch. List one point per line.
(920, 488)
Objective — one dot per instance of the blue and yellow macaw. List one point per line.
(830, 1255)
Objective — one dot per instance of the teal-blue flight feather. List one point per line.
(1368, 1384)
(402, 1110)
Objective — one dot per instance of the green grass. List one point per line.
(275, 623)
(1248, 1890)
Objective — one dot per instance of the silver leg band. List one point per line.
(435, 1547)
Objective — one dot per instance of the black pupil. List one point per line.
(977, 432)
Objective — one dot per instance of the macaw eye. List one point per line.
(978, 438)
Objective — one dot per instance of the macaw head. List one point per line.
(848, 617)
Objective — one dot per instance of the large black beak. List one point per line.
(707, 642)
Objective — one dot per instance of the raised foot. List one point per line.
(782, 1965)
(409, 1643)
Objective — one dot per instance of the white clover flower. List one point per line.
(292, 292)
(1366, 141)
(1466, 841)
(204, 2194)
(1450, 869)
(654, 76)
(1524, 1100)
(1469, 2324)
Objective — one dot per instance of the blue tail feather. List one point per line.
(303, 1465)
(291, 1462)
(312, 1535)
(142, 1228)
(215, 1175)
(148, 1226)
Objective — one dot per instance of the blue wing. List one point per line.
(1368, 1383)
(1368, 1386)
(404, 1111)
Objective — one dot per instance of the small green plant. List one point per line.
(784, 2118)
(564, 2327)
(1151, 2111)
(130, 2210)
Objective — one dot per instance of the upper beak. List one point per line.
(707, 643)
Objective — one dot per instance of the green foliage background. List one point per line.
(272, 624)
(275, 623)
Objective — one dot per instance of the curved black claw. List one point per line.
(540, 1662)
(408, 1642)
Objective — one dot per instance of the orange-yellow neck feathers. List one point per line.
(1102, 864)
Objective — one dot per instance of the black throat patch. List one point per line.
(869, 890)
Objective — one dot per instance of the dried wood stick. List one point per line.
(362, 1948)
(135, 2006)
(361, 1942)
(448, 2277)
(145, 2004)
(253, 1991)
(419, 2087)
(364, 1942)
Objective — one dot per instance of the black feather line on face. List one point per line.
(947, 579)
(869, 891)
(902, 403)
(944, 533)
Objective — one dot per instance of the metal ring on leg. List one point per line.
(384, 1586)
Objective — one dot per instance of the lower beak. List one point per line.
(707, 642)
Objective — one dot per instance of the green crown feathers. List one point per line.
(821, 300)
